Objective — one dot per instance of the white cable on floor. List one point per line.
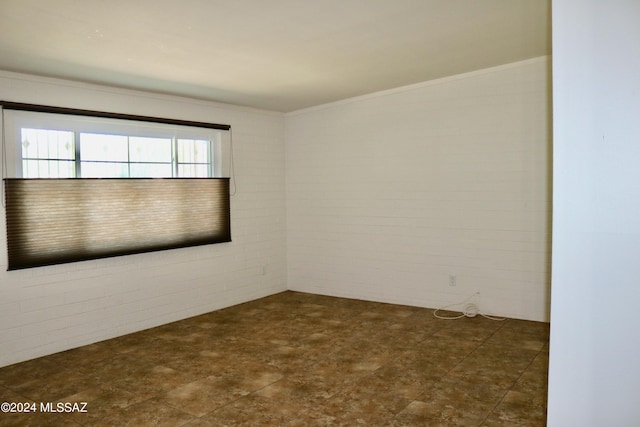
(470, 310)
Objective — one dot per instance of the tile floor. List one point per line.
(296, 359)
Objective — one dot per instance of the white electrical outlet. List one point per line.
(452, 280)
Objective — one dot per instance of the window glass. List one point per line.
(47, 153)
(150, 170)
(193, 151)
(48, 169)
(154, 150)
(42, 143)
(193, 171)
(95, 146)
(104, 170)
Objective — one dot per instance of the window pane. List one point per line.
(104, 170)
(193, 151)
(47, 169)
(150, 170)
(112, 156)
(94, 146)
(193, 171)
(42, 143)
(149, 149)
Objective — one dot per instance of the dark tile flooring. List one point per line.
(296, 359)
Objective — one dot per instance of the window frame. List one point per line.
(17, 116)
(203, 203)
(78, 162)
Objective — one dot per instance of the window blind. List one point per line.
(54, 221)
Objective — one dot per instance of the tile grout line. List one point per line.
(480, 343)
(512, 386)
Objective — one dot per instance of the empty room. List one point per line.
(334, 213)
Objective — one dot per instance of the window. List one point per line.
(50, 153)
(57, 211)
(47, 153)
(54, 146)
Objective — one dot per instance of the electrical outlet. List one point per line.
(452, 280)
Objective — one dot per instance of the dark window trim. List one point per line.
(7, 105)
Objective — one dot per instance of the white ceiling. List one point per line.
(279, 55)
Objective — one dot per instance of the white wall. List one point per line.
(389, 194)
(48, 309)
(595, 324)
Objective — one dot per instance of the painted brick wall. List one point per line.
(49, 309)
(391, 193)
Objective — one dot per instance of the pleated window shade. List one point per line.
(54, 221)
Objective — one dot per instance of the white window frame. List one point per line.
(16, 120)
